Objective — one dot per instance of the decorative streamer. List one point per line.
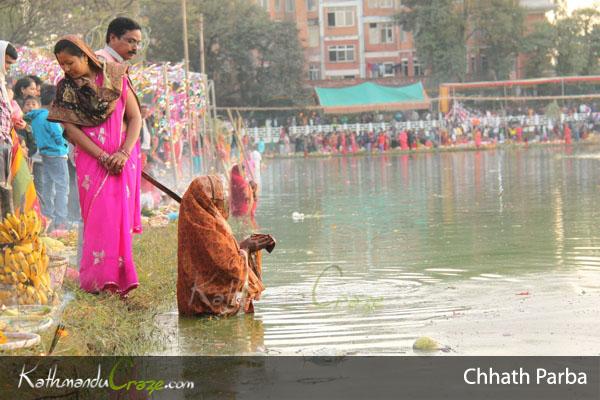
(147, 79)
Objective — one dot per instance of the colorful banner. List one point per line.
(148, 80)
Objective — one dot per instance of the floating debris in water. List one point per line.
(425, 343)
(296, 216)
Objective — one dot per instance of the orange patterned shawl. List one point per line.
(211, 273)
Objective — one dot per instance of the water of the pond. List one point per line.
(391, 244)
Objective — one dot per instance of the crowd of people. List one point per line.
(346, 139)
(90, 136)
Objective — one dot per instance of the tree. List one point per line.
(497, 27)
(588, 20)
(438, 29)
(40, 22)
(572, 42)
(570, 48)
(539, 46)
(254, 61)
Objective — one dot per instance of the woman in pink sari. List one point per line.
(102, 118)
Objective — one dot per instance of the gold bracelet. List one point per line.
(125, 152)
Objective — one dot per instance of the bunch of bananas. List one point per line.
(23, 261)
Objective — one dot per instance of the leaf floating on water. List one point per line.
(3, 338)
(425, 343)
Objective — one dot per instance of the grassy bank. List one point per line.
(105, 324)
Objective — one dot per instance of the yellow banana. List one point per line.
(14, 235)
(5, 237)
(43, 298)
(45, 280)
(30, 259)
(12, 263)
(24, 266)
(22, 277)
(24, 248)
(12, 221)
(34, 270)
(22, 231)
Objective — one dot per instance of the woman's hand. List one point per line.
(258, 242)
(116, 162)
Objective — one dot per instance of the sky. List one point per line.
(575, 4)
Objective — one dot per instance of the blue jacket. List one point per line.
(48, 135)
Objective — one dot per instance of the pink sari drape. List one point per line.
(110, 208)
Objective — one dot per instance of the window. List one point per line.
(387, 32)
(290, 5)
(417, 67)
(344, 53)
(404, 67)
(472, 65)
(311, 5)
(484, 64)
(277, 5)
(381, 33)
(341, 17)
(381, 3)
(313, 36)
(389, 69)
(314, 72)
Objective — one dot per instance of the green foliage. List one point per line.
(41, 22)
(539, 46)
(438, 29)
(577, 43)
(497, 25)
(254, 61)
(444, 29)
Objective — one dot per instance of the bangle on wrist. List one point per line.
(124, 152)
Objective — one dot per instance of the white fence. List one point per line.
(271, 134)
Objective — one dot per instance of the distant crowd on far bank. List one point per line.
(348, 138)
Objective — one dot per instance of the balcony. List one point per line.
(539, 5)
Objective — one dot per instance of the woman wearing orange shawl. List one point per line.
(215, 275)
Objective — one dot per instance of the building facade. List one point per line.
(356, 40)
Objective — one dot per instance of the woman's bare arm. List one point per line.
(81, 140)
(133, 118)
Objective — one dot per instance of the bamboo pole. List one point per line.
(202, 60)
(186, 55)
(171, 130)
(204, 85)
(243, 126)
(237, 124)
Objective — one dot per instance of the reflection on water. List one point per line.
(403, 232)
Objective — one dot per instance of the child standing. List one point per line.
(53, 148)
